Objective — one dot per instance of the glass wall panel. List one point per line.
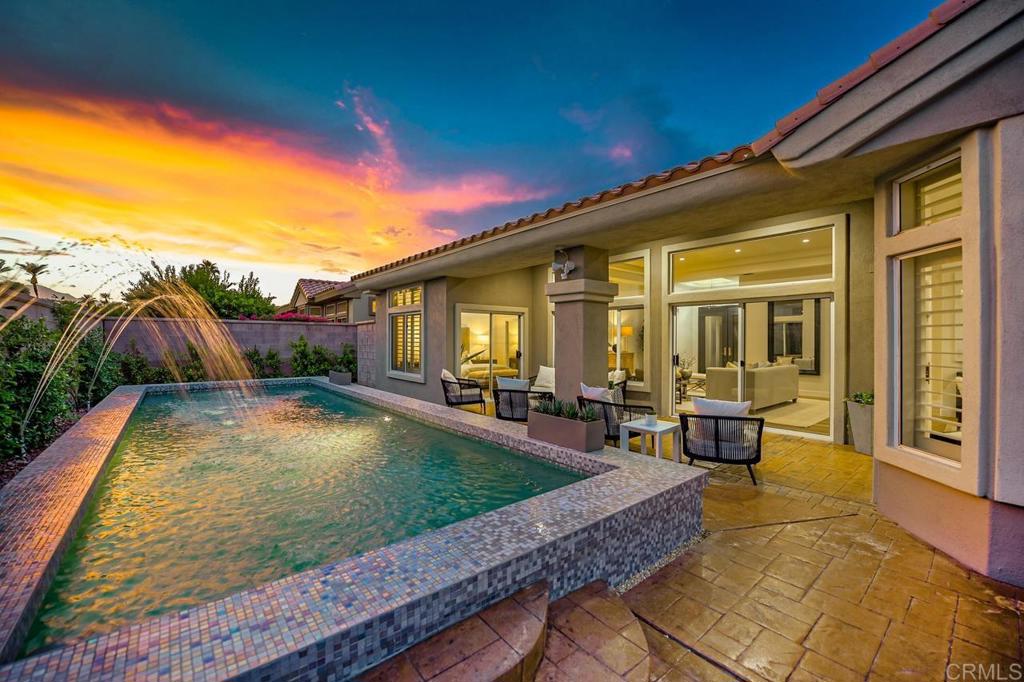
(629, 275)
(791, 257)
(626, 342)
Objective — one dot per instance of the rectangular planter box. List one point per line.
(568, 433)
(340, 378)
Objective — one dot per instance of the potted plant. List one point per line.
(561, 422)
(860, 407)
(346, 366)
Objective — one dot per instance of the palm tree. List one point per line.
(33, 270)
(4, 269)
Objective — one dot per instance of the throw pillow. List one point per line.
(545, 378)
(509, 384)
(595, 392)
(705, 407)
(448, 376)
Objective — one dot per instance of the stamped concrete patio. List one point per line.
(801, 579)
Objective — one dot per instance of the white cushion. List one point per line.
(595, 393)
(616, 376)
(720, 408)
(545, 378)
(509, 384)
(447, 376)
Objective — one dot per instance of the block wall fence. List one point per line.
(262, 334)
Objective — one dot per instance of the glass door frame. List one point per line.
(741, 383)
(834, 288)
(491, 311)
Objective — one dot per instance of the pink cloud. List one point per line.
(620, 152)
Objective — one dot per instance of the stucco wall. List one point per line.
(436, 323)
(247, 333)
(36, 310)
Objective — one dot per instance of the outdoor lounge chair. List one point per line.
(515, 404)
(463, 392)
(723, 440)
(614, 414)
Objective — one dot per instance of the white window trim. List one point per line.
(421, 308)
(891, 245)
(634, 302)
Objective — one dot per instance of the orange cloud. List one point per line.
(171, 181)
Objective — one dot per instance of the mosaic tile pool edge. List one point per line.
(340, 619)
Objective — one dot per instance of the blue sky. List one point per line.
(558, 100)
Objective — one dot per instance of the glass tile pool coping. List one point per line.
(341, 618)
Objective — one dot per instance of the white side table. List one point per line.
(658, 430)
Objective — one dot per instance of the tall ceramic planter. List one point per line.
(861, 424)
(568, 433)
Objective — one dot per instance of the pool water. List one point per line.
(217, 492)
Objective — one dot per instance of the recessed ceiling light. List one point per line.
(737, 250)
(682, 258)
(806, 241)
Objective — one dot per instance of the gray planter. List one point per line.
(340, 378)
(861, 425)
(568, 433)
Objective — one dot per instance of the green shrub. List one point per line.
(263, 366)
(25, 349)
(317, 360)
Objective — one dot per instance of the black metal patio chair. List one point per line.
(615, 414)
(515, 404)
(723, 440)
(463, 392)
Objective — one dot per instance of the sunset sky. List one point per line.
(309, 139)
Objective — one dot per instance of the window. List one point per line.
(329, 313)
(405, 324)
(315, 310)
(780, 259)
(629, 275)
(406, 296)
(930, 194)
(626, 342)
(931, 338)
(373, 305)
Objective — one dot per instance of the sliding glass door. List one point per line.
(490, 346)
(777, 354)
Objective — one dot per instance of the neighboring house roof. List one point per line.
(312, 287)
(937, 19)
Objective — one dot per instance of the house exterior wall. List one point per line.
(436, 322)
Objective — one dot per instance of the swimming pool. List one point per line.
(220, 491)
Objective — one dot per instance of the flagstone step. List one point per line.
(503, 642)
(593, 636)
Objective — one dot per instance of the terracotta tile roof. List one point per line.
(937, 18)
(312, 287)
(740, 153)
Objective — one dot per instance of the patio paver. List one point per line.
(802, 579)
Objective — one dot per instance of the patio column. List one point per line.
(581, 320)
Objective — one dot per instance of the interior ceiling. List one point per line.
(829, 184)
(804, 251)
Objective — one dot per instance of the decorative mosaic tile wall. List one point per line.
(337, 620)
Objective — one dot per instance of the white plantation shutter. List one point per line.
(933, 351)
(931, 196)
